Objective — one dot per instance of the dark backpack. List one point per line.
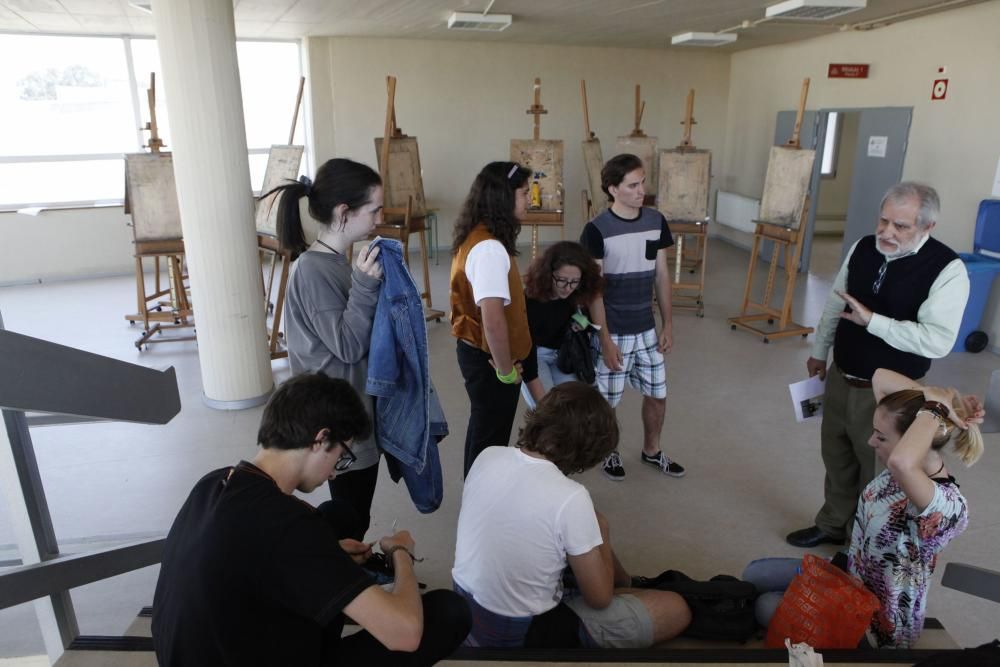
(576, 356)
(722, 608)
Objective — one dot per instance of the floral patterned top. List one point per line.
(894, 550)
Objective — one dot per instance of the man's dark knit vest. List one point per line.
(907, 283)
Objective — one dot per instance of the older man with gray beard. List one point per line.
(896, 303)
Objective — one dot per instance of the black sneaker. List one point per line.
(612, 468)
(666, 466)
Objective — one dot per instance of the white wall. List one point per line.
(64, 244)
(954, 144)
(465, 102)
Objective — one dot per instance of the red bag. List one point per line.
(824, 607)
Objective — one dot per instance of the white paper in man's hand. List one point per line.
(807, 398)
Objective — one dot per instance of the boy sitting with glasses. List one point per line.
(252, 575)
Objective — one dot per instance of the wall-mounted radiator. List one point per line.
(736, 211)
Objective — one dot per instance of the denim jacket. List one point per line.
(409, 420)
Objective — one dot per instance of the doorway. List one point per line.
(853, 169)
(836, 159)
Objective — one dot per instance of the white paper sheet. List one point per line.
(807, 398)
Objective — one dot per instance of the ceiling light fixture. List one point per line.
(142, 6)
(703, 39)
(481, 22)
(813, 10)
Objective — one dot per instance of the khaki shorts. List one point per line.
(625, 623)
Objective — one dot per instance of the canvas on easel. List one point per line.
(544, 157)
(684, 184)
(405, 179)
(642, 146)
(682, 197)
(283, 163)
(152, 197)
(784, 207)
(151, 194)
(786, 185)
(405, 211)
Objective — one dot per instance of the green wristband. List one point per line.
(510, 378)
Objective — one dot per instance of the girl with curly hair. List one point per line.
(487, 302)
(558, 283)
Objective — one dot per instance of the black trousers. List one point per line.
(493, 403)
(447, 622)
(351, 493)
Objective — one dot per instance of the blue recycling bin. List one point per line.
(983, 264)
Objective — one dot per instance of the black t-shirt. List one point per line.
(251, 576)
(548, 322)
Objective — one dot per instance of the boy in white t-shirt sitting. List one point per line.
(523, 520)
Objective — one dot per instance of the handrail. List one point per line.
(40, 376)
(66, 385)
(30, 582)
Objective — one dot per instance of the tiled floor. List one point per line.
(753, 473)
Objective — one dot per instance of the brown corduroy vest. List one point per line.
(467, 320)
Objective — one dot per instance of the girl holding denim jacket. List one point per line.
(330, 303)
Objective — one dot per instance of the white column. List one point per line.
(197, 44)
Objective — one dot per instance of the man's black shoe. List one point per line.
(811, 537)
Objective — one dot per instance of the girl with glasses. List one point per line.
(557, 285)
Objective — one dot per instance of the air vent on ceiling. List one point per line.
(813, 10)
(475, 21)
(703, 39)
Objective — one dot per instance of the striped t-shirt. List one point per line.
(628, 250)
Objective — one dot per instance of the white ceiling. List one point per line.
(620, 23)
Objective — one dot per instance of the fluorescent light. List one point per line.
(482, 22)
(703, 39)
(146, 6)
(814, 10)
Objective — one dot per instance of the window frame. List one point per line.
(137, 114)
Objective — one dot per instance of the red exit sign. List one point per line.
(847, 71)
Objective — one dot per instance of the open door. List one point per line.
(878, 165)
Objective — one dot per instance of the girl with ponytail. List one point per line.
(914, 508)
(330, 304)
(908, 513)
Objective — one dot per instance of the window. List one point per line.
(72, 106)
(831, 145)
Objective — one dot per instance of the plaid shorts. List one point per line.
(642, 364)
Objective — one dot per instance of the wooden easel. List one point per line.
(689, 171)
(786, 236)
(541, 217)
(593, 162)
(643, 146)
(399, 222)
(150, 309)
(269, 248)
